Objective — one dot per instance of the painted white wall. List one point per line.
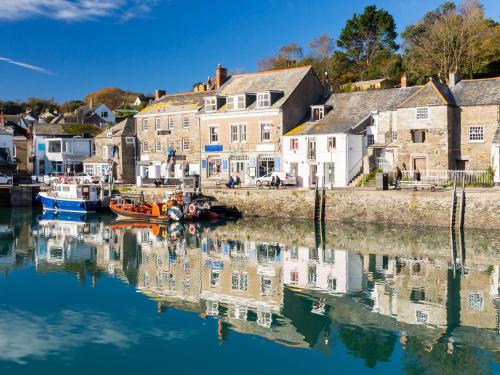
(347, 156)
(495, 155)
(7, 141)
(104, 108)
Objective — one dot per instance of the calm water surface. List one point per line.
(88, 294)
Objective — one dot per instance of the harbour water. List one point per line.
(87, 294)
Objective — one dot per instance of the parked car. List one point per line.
(52, 177)
(87, 178)
(5, 180)
(285, 177)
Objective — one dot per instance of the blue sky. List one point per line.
(68, 48)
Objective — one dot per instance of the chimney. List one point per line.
(220, 76)
(404, 81)
(453, 77)
(159, 94)
(327, 86)
(2, 119)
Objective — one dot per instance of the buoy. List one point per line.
(192, 208)
(191, 229)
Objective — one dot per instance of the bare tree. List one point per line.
(322, 49)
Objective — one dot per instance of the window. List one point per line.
(89, 168)
(104, 114)
(185, 121)
(263, 100)
(239, 281)
(332, 143)
(475, 301)
(422, 113)
(214, 166)
(265, 286)
(370, 140)
(158, 145)
(417, 295)
(54, 146)
(294, 277)
(235, 102)
(311, 149)
(331, 283)
(170, 122)
(418, 136)
(210, 104)
(421, 316)
(476, 134)
(234, 133)
(243, 133)
(145, 125)
(294, 144)
(214, 134)
(265, 132)
(68, 146)
(109, 134)
(157, 124)
(329, 173)
(185, 144)
(129, 140)
(394, 135)
(145, 146)
(214, 278)
(317, 113)
(106, 152)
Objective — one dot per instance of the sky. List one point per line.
(65, 49)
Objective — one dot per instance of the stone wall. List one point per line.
(356, 205)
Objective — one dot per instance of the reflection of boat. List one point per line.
(73, 197)
(175, 208)
(68, 216)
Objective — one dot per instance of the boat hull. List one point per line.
(68, 205)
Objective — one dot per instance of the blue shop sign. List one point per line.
(41, 147)
(213, 148)
(213, 264)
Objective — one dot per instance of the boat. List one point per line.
(74, 197)
(176, 207)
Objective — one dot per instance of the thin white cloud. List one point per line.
(24, 65)
(74, 10)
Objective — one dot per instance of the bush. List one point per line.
(369, 178)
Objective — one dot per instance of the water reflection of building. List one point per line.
(7, 249)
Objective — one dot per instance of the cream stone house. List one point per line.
(241, 124)
(115, 152)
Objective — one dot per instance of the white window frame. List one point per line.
(368, 142)
(262, 126)
(263, 100)
(89, 168)
(321, 112)
(475, 134)
(421, 317)
(243, 133)
(185, 121)
(171, 122)
(145, 125)
(422, 113)
(158, 143)
(185, 144)
(211, 104)
(213, 131)
(331, 143)
(233, 102)
(234, 136)
(294, 144)
(145, 146)
(109, 135)
(158, 123)
(129, 140)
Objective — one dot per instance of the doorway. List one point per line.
(420, 164)
(313, 174)
(238, 168)
(461, 165)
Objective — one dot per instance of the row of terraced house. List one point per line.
(289, 120)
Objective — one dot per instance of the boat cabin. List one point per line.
(76, 191)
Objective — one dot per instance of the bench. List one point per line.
(418, 185)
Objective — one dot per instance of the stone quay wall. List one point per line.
(359, 205)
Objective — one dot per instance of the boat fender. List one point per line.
(191, 229)
(164, 209)
(192, 208)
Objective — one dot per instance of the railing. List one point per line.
(384, 164)
(355, 170)
(445, 177)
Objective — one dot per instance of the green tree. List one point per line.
(367, 35)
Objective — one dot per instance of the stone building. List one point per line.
(242, 122)
(115, 148)
(167, 122)
(373, 84)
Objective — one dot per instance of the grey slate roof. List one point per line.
(176, 103)
(126, 128)
(54, 130)
(477, 92)
(349, 109)
(432, 94)
(283, 80)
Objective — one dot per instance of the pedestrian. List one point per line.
(230, 182)
(273, 182)
(277, 182)
(399, 177)
(141, 197)
(170, 153)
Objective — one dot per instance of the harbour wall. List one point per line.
(482, 208)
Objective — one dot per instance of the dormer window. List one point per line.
(264, 100)
(211, 104)
(317, 113)
(235, 102)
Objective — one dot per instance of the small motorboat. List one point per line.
(74, 197)
(170, 210)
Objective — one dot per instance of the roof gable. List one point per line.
(125, 128)
(432, 94)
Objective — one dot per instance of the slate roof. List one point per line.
(282, 80)
(95, 159)
(126, 128)
(477, 92)
(432, 94)
(55, 130)
(350, 109)
(175, 103)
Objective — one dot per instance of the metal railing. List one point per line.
(355, 170)
(384, 164)
(446, 177)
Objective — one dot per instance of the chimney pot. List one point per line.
(404, 81)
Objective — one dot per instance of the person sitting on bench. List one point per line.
(230, 182)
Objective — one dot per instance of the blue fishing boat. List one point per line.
(74, 197)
